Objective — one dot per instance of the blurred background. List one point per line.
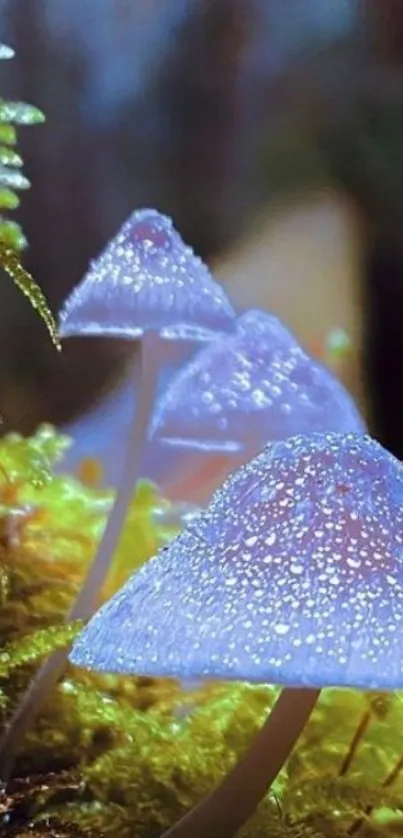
(272, 132)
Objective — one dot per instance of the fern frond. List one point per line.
(20, 113)
(12, 180)
(8, 133)
(26, 283)
(9, 157)
(8, 199)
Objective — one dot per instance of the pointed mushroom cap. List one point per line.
(293, 575)
(246, 389)
(146, 279)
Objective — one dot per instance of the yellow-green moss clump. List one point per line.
(125, 757)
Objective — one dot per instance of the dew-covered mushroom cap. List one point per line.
(147, 279)
(246, 389)
(293, 575)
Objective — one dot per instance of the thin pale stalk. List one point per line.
(225, 810)
(88, 598)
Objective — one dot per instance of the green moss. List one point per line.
(49, 528)
(124, 757)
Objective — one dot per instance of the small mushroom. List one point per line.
(246, 389)
(293, 575)
(147, 280)
(146, 286)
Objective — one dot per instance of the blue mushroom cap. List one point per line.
(246, 389)
(146, 280)
(293, 575)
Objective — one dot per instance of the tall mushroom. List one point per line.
(242, 391)
(149, 287)
(146, 286)
(293, 575)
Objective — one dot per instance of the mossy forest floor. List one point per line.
(125, 757)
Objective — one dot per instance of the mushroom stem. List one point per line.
(358, 735)
(225, 810)
(88, 598)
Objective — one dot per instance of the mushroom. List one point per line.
(293, 575)
(145, 286)
(242, 391)
(149, 287)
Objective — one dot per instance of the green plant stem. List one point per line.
(357, 738)
(89, 596)
(225, 810)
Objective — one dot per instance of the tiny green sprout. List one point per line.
(337, 346)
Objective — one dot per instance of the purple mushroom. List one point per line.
(293, 575)
(145, 286)
(149, 287)
(147, 281)
(242, 391)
